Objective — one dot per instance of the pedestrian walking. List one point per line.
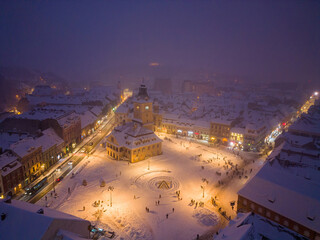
(167, 216)
(158, 202)
(172, 209)
(46, 198)
(159, 195)
(84, 208)
(198, 237)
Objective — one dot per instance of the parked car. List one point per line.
(59, 179)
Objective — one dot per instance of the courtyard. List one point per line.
(190, 189)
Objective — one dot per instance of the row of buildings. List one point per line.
(30, 143)
(282, 201)
(247, 122)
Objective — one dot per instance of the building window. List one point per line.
(286, 223)
(244, 202)
(260, 210)
(252, 206)
(268, 214)
(276, 218)
(306, 233)
(296, 227)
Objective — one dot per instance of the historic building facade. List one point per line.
(135, 141)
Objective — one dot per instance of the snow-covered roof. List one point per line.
(308, 123)
(48, 139)
(6, 139)
(24, 147)
(251, 226)
(87, 118)
(134, 135)
(42, 114)
(96, 110)
(294, 197)
(24, 221)
(69, 119)
(8, 163)
(123, 108)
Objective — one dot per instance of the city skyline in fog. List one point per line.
(266, 41)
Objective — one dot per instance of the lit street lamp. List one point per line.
(110, 188)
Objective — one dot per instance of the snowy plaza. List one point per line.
(188, 190)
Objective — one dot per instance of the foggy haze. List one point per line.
(105, 40)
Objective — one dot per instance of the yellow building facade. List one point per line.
(135, 141)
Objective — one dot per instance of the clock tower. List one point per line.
(142, 112)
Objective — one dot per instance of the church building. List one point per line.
(135, 141)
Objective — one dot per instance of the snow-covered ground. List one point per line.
(192, 169)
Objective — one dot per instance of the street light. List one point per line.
(205, 181)
(202, 187)
(110, 188)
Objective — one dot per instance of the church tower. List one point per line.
(142, 112)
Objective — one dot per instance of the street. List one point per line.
(64, 168)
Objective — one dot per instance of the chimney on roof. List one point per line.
(40, 211)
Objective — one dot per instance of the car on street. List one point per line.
(59, 179)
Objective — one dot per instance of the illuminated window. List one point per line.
(286, 223)
(138, 107)
(147, 107)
